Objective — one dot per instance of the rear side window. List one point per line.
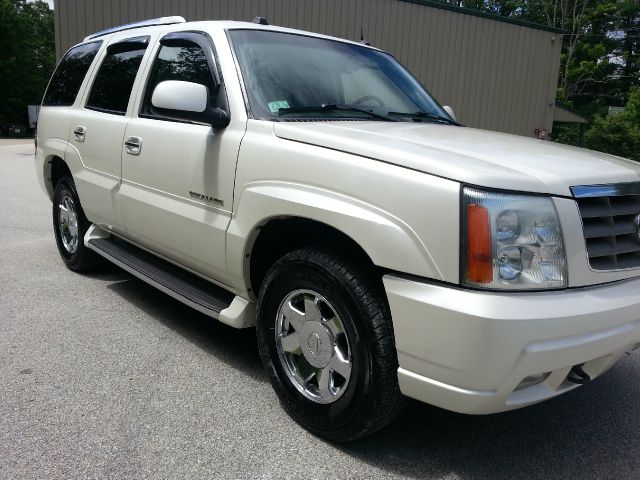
(113, 83)
(187, 63)
(66, 81)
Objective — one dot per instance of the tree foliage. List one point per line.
(619, 133)
(27, 56)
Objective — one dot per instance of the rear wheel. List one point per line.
(70, 225)
(326, 340)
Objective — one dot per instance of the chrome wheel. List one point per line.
(313, 346)
(68, 224)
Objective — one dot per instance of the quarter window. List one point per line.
(65, 83)
(113, 84)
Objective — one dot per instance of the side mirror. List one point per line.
(187, 101)
(449, 111)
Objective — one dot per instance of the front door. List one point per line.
(177, 177)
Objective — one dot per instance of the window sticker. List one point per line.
(277, 105)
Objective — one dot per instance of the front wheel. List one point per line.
(327, 343)
(70, 226)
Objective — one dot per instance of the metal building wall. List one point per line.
(496, 75)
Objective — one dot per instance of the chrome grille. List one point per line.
(611, 224)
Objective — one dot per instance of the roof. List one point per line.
(134, 25)
(478, 13)
(166, 23)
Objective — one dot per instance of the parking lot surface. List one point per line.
(101, 376)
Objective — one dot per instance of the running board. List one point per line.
(184, 286)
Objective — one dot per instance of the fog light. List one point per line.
(532, 380)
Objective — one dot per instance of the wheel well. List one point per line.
(283, 235)
(59, 169)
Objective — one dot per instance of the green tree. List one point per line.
(618, 134)
(27, 56)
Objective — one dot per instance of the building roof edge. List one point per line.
(490, 16)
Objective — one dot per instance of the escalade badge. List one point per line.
(206, 198)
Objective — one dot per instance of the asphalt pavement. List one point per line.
(103, 377)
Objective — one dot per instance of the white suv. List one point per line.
(312, 187)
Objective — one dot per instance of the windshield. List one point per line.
(284, 73)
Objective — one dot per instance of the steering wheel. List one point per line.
(366, 98)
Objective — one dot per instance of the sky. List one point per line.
(50, 2)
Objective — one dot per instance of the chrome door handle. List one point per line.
(133, 145)
(79, 133)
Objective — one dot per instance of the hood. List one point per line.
(477, 157)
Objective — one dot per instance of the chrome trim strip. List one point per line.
(613, 190)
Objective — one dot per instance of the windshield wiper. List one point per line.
(419, 116)
(331, 107)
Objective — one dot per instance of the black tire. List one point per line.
(81, 259)
(371, 398)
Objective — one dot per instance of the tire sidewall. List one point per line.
(324, 419)
(67, 187)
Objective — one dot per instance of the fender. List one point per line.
(388, 241)
(45, 153)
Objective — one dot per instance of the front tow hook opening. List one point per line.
(578, 376)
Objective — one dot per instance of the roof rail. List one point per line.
(143, 23)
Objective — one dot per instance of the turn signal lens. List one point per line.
(479, 246)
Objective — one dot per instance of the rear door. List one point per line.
(177, 187)
(98, 127)
(62, 93)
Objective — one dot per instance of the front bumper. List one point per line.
(468, 351)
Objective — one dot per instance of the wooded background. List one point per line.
(600, 62)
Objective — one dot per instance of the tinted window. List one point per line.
(112, 87)
(68, 77)
(187, 63)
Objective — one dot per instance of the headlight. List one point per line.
(511, 242)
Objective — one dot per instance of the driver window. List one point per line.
(187, 63)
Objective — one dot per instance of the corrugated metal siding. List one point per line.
(495, 75)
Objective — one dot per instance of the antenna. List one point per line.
(260, 21)
(362, 37)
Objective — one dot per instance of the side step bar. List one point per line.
(184, 286)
